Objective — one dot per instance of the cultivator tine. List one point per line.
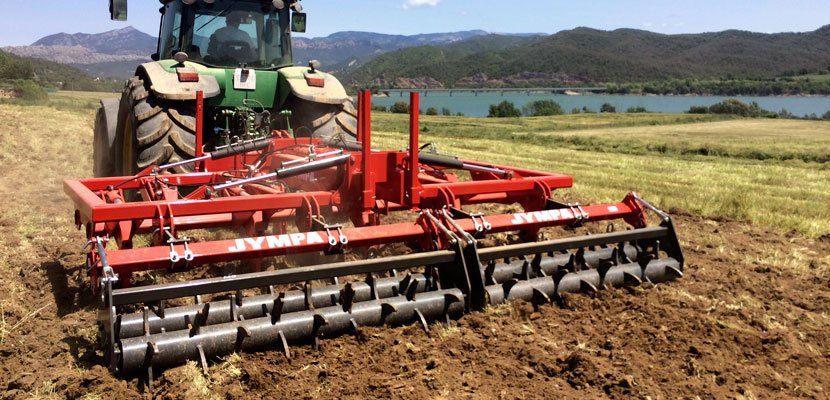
(242, 333)
(284, 344)
(307, 299)
(202, 359)
(319, 322)
(151, 352)
(423, 321)
(233, 308)
(356, 330)
(411, 290)
(276, 310)
(539, 298)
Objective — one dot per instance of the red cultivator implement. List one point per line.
(290, 195)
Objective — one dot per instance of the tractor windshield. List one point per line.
(227, 33)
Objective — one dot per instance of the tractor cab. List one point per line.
(228, 33)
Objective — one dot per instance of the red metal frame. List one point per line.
(369, 185)
(200, 102)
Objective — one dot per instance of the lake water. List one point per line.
(477, 106)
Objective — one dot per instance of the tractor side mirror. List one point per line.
(298, 21)
(118, 10)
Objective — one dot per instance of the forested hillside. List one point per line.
(15, 70)
(588, 56)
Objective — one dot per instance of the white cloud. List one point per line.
(420, 3)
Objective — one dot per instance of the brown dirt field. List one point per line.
(751, 319)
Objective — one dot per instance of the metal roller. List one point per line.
(546, 288)
(220, 311)
(171, 348)
(550, 265)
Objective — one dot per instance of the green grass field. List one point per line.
(773, 173)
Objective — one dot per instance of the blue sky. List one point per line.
(28, 21)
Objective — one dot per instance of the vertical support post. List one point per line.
(414, 184)
(200, 100)
(366, 137)
(360, 117)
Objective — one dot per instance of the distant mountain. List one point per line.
(345, 51)
(114, 53)
(126, 41)
(585, 56)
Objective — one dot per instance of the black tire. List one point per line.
(335, 122)
(152, 131)
(103, 142)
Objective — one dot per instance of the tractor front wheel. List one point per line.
(152, 131)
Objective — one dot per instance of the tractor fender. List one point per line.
(166, 85)
(302, 82)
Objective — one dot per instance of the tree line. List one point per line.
(727, 87)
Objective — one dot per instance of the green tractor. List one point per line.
(237, 53)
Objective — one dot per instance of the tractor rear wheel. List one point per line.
(153, 131)
(103, 151)
(335, 122)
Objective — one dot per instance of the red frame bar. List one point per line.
(200, 101)
(158, 257)
(413, 184)
(368, 173)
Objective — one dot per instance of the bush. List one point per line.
(784, 113)
(12, 67)
(379, 108)
(446, 111)
(29, 91)
(607, 108)
(543, 108)
(400, 107)
(733, 107)
(638, 109)
(505, 109)
(432, 111)
(826, 116)
(698, 110)
(575, 110)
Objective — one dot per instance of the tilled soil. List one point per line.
(746, 321)
(751, 319)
